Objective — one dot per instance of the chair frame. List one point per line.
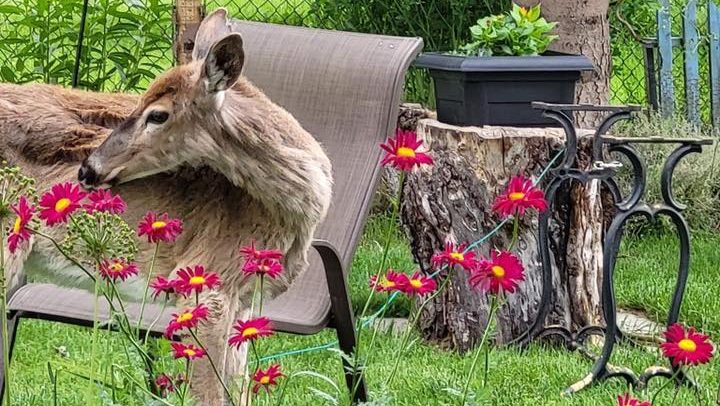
(341, 319)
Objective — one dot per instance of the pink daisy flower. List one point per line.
(250, 330)
(250, 253)
(265, 378)
(402, 151)
(520, 196)
(187, 351)
(61, 201)
(686, 347)
(195, 279)
(19, 232)
(159, 228)
(104, 200)
(117, 269)
(390, 282)
(628, 400)
(418, 284)
(186, 320)
(453, 255)
(163, 285)
(501, 273)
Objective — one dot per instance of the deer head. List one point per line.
(166, 129)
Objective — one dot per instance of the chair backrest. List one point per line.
(344, 88)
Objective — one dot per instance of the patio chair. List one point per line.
(344, 88)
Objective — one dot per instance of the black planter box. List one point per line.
(498, 90)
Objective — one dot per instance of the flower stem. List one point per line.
(666, 384)
(142, 388)
(493, 308)
(411, 325)
(147, 286)
(157, 318)
(4, 319)
(516, 232)
(260, 300)
(389, 227)
(214, 368)
(257, 366)
(95, 337)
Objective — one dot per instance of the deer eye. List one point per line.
(157, 117)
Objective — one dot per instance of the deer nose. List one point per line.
(87, 175)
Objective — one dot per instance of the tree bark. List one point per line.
(583, 28)
(188, 15)
(451, 200)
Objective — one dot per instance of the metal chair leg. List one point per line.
(342, 316)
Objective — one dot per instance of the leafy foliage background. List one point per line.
(128, 42)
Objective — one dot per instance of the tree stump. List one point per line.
(452, 200)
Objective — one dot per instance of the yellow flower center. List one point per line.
(190, 352)
(158, 224)
(405, 152)
(184, 317)
(197, 280)
(523, 11)
(498, 271)
(515, 196)
(265, 380)
(458, 256)
(62, 204)
(687, 345)
(116, 267)
(416, 283)
(16, 227)
(250, 331)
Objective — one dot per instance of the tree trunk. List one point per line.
(583, 28)
(451, 200)
(188, 15)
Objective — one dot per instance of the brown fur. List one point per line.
(240, 168)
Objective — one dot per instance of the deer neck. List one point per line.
(261, 148)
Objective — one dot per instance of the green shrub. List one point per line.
(520, 32)
(126, 43)
(443, 25)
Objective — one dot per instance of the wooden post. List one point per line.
(188, 14)
(692, 68)
(714, 30)
(452, 200)
(665, 46)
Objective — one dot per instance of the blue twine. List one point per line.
(369, 319)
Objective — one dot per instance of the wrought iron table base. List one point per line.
(627, 208)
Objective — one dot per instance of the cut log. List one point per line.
(452, 200)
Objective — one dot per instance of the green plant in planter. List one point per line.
(520, 32)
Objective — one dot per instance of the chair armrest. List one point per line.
(337, 285)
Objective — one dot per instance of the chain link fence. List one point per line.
(129, 42)
(126, 43)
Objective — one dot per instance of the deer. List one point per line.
(202, 143)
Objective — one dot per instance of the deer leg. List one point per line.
(229, 363)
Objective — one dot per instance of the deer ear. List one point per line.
(214, 27)
(223, 64)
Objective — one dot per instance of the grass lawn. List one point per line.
(427, 375)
